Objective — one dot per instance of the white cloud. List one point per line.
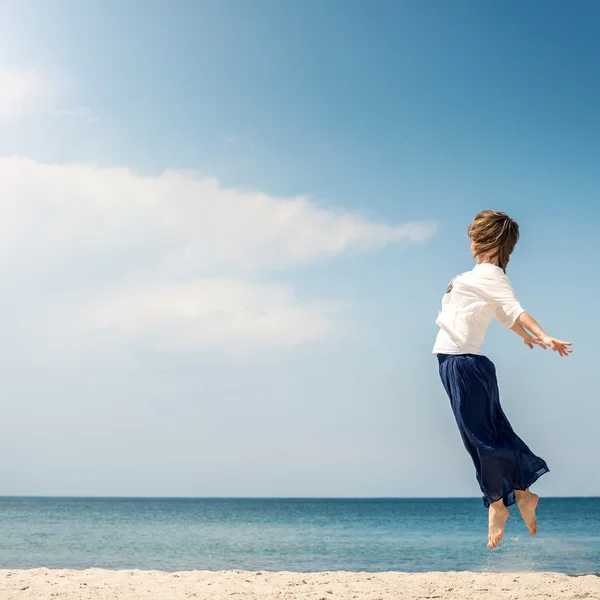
(224, 314)
(83, 112)
(180, 254)
(21, 90)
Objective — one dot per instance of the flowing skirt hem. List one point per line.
(510, 498)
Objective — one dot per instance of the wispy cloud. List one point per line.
(21, 90)
(83, 112)
(225, 314)
(182, 255)
(234, 139)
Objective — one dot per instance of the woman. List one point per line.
(505, 466)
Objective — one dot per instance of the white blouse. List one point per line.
(471, 301)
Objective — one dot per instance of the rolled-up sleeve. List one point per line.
(508, 308)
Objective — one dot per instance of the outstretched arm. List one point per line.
(528, 322)
(510, 313)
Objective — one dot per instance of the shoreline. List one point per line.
(103, 584)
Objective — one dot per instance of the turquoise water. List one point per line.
(295, 535)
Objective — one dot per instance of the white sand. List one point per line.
(99, 584)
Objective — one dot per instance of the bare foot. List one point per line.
(498, 516)
(527, 504)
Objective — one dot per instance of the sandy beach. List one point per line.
(99, 584)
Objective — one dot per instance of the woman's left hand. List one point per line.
(532, 341)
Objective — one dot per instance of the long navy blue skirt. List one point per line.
(503, 462)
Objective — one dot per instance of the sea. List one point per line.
(293, 535)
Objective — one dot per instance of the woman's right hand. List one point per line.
(563, 348)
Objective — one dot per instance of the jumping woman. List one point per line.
(505, 466)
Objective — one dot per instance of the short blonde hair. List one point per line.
(494, 233)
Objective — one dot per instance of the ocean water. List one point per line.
(294, 535)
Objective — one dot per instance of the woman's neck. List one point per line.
(486, 258)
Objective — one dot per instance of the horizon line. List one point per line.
(428, 498)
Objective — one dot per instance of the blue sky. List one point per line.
(227, 227)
